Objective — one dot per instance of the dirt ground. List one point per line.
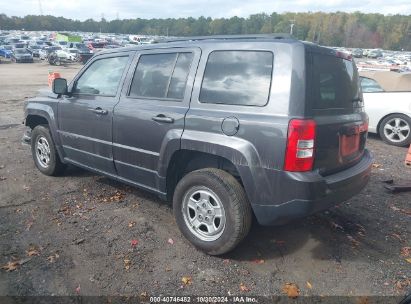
(74, 234)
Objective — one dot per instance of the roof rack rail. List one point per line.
(227, 37)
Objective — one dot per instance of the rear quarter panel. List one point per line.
(259, 145)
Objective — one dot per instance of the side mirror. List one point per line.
(59, 86)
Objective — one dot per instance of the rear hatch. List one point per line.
(334, 101)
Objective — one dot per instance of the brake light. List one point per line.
(364, 127)
(299, 154)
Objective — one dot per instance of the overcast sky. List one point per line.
(80, 9)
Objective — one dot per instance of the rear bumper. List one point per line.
(312, 192)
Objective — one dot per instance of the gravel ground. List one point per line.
(74, 234)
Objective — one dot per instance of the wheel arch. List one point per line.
(43, 114)
(33, 120)
(237, 153)
(184, 161)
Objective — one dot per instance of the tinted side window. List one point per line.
(180, 74)
(237, 78)
(369, 86)
(161, 75)
(102, 77)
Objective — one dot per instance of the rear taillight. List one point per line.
(364, 127)
(299, 155)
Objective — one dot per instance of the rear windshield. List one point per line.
(333, 82)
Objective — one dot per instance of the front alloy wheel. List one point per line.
(44, 152)
(42, 148)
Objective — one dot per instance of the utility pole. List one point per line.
(292, 26)
(41, 8)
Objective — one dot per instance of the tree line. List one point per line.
(332, 29)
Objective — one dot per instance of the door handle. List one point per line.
(100, 111)
(163, 118)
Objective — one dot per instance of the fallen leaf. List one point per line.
(363, 300)
(309, 285)
(291, 290)
(143, 296)
(244, 288)
(336, 226)
(52, 258)
(78, 289)
(353, 241)
(170, 241)
(131, 224)
(407, 212)
(134, 243)
(29, 223)
(259, 261)
(186, 280)
(402, 284)
(2, 178)
(32, 251)
(376, 165)
(397, 236)
(395, 208)
(408, 260)
(27, 188)
(11, 266)
(405, 251)
(127, 264)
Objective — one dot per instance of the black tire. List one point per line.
(395, 140)
(238, 214)
(54, 166)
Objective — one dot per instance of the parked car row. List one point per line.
(84, 45)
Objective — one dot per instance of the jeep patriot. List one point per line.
(225, 127)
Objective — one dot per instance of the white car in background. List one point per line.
(387, 101)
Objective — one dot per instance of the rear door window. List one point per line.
(161, 76)
(237, 78)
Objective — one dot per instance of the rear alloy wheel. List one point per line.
(395, 130)
(211, 210)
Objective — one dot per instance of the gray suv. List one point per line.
(224, 127)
